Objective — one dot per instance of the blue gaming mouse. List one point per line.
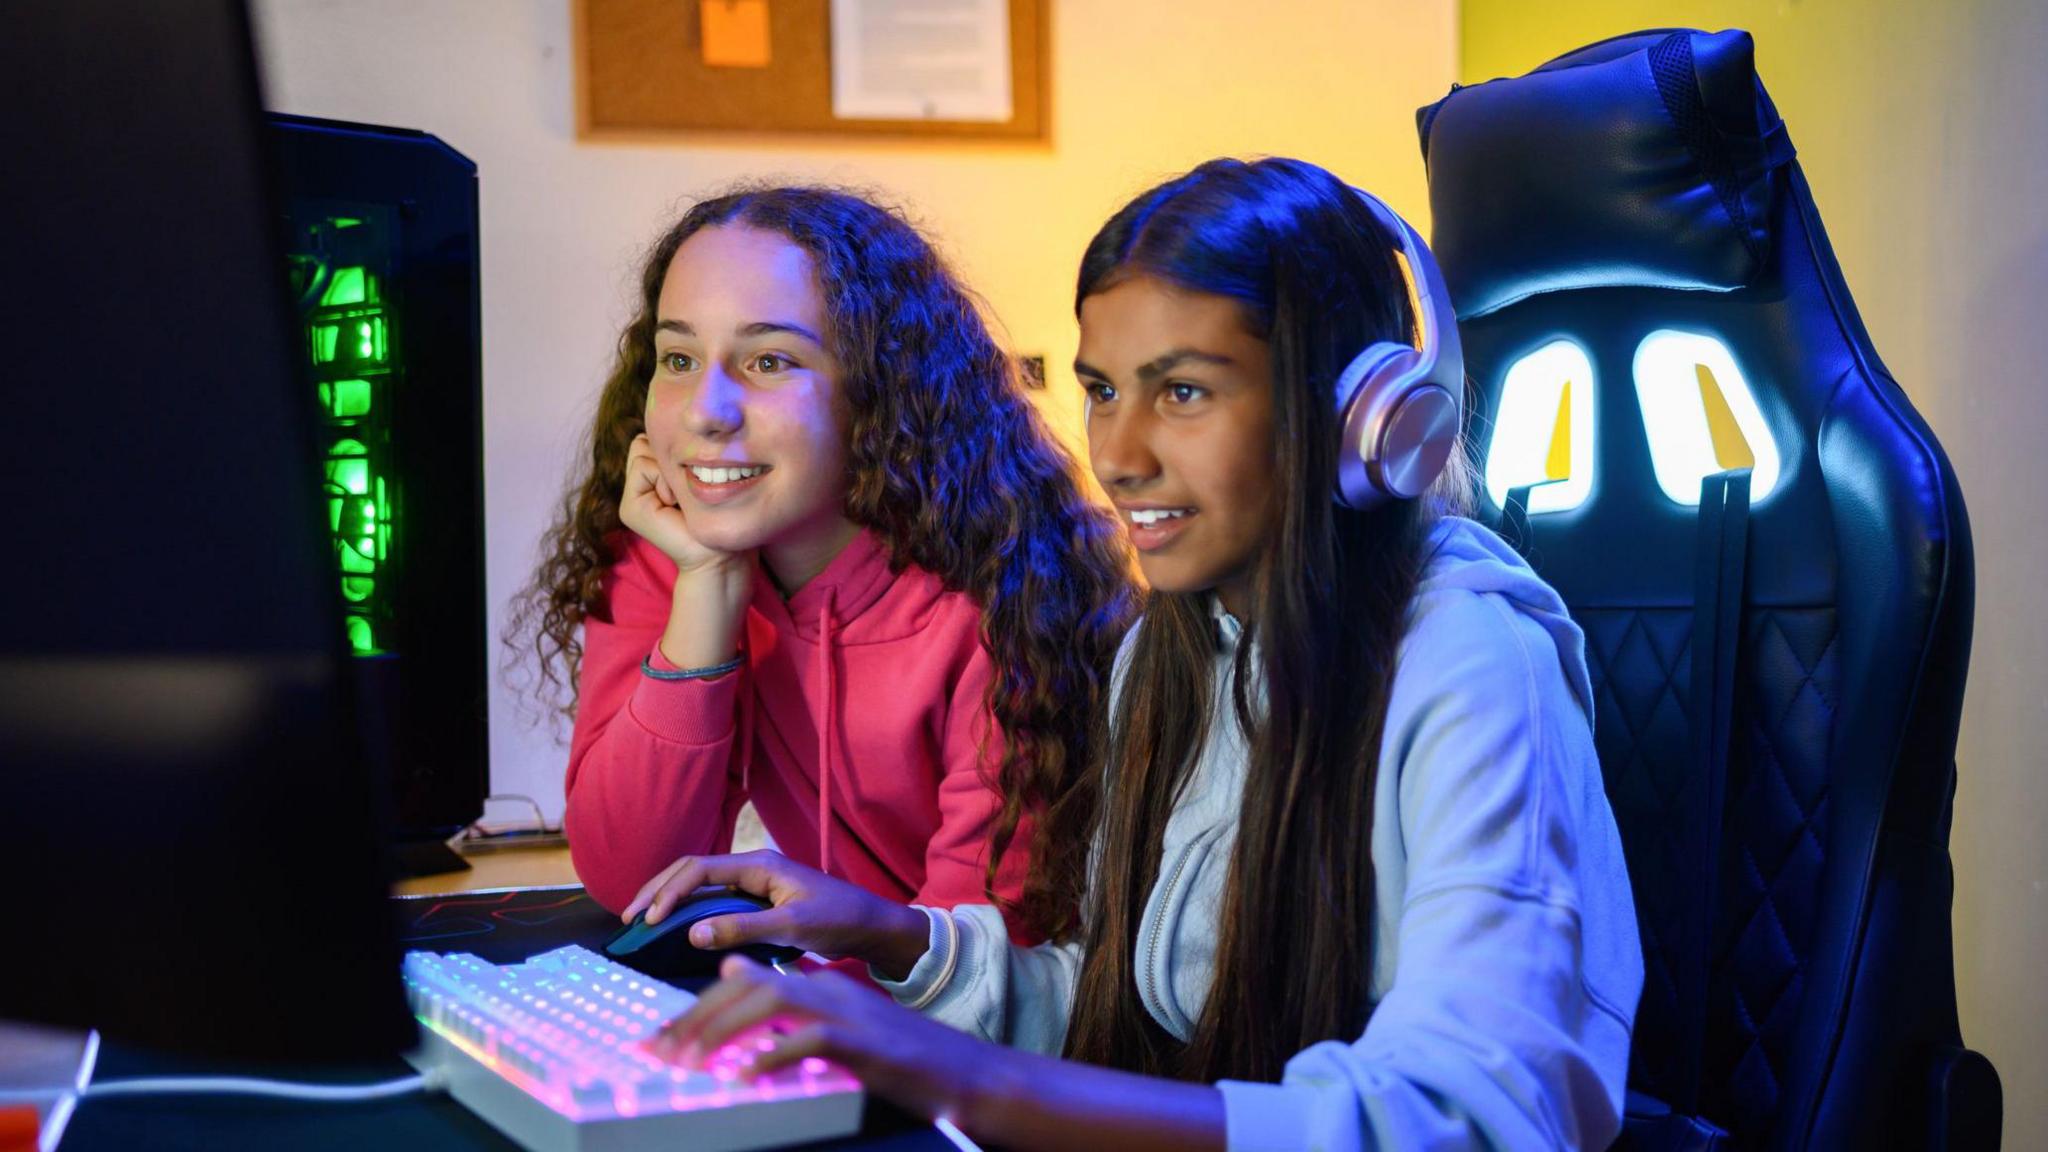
(664, 951)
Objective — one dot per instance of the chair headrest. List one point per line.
(1649, 160)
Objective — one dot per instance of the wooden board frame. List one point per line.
(640, 72)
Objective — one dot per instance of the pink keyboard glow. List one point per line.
(568, 1028)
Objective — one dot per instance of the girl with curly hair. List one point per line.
(823, 557)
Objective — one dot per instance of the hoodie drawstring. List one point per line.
(825, 729)
(747, 732)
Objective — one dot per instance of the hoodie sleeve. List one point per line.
(1515, 973)
(975, 978)
(956, 859)
(653, 771)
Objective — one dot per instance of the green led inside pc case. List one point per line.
(339, 261)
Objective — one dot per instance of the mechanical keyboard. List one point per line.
(551, 1053)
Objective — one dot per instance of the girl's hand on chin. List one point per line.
(921, 1065)
(649, 507)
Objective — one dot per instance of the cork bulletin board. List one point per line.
(642, 70)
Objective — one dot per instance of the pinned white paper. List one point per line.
(921, 60)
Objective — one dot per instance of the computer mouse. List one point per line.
(663, 949)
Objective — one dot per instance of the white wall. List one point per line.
(1140, 89)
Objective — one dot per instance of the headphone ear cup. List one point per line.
(1369, 371)
(1364, 390)
(1402, 419)
(1416, 440)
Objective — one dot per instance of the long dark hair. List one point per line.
(1316, 278)
(948, 464)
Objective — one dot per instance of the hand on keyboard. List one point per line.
(782, 1021)
(570, 1029)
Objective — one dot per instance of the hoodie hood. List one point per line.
(1468, 557)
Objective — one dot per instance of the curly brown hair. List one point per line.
(949, 465)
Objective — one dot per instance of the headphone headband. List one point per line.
(1435, 318)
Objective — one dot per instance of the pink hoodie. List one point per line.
(857, 727)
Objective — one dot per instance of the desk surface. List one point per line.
(509, 868)
(212, 1123)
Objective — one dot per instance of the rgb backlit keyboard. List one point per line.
(552, 1053)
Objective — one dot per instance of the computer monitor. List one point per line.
(193, 848)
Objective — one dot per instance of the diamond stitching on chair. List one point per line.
(1641, 666)
(1776, 840)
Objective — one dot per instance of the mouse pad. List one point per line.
(503, 927)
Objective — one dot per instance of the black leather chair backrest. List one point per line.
(1645, 184)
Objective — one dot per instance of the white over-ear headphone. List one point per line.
(1401, 407)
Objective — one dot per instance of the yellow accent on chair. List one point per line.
(1557, 463)
(1731, 447)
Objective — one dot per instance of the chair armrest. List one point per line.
(1965, 1105)
(1649, 1125)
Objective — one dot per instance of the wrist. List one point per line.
(991, 1101)
(899, 942)
(727, 580)
(706, 609)
(692, 648)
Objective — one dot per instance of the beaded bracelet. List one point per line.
(648, 669)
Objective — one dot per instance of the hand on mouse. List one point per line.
(811, 911)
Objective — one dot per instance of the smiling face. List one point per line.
(744, 410)
(1180, 431)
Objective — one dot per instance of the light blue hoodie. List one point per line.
(1505, 961)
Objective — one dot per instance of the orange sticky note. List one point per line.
(735, 33)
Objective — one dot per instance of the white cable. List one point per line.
(59, 1117)
(64, 1101)
(960, 1139)
(55, 1123)
(248, 1086)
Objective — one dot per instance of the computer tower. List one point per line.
(381, 239)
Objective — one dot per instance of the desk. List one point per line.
(508, 868)
(206, 1123)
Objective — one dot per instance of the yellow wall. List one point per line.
(1141, 89)
(1924, 131)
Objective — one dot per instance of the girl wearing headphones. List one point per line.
(825, 558)
(1346, 874)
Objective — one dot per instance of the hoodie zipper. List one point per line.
(1229, 630)
(1155, 1004)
